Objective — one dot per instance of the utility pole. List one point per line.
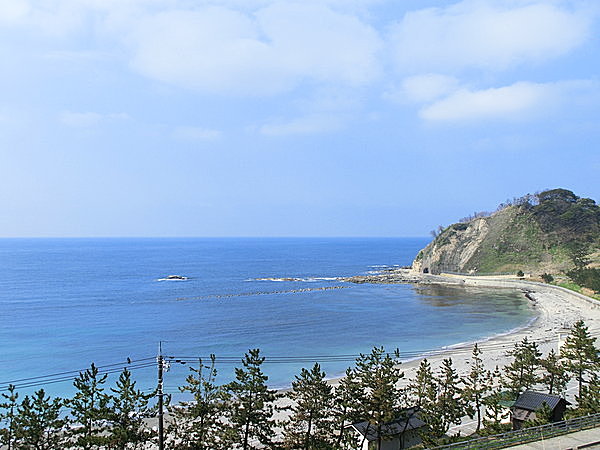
(161, 438)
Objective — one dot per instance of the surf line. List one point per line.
(250, 294)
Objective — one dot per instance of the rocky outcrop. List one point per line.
(536, 233)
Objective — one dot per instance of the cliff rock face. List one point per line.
(534, 233)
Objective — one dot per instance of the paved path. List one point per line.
(579, 439)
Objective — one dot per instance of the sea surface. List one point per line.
(65, 303)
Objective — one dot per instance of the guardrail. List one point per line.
(528, 434)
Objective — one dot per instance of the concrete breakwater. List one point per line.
(250, 294)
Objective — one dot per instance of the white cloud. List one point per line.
(422, 88)
(521, 100)
(310, 124)
(88, 119)
(273, 50)
(13, 10)
(196, 134)
(491, 35)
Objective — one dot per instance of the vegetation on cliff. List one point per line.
(553, 231)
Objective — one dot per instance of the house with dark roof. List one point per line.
(400, 433)
(529, 402)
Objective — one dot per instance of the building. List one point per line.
(400, 433)
(529, 402)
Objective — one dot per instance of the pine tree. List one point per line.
(554, 376)
(580, 354)
(251, 405)
(521, 374)
(126, 413)
(39, 424)
(197, 424)
(310, 424)
(89, 409)
(346, 409)
(495, 411)
(423, 390)
(450, 406)
(477, 385)
(378, 375)
(9, 406)
(588, 402)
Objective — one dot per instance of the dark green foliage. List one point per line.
(8, 411)
(310, 424)
(89, 410)
(450, 406)
(422, 390)
(554, 375)
(580, 354)
(589, 278)
(197, 424)
(495, 402)
(588, 401)
(251, 407)
(39, 424)
(520, 274)
(476, 386)
(378, 375)
(547, 278)
(346, 409)
(127, 411)
(521, 374)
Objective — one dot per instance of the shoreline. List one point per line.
(554, 307)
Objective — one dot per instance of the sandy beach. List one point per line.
(556, 309)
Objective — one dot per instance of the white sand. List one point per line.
(556, 308)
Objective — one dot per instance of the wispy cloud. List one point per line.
(518, 101)
(311, 124)
(196, 134)
(490, 35)
(88, 119)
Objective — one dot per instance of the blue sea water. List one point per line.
(66, 303)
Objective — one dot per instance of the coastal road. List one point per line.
(589, 439)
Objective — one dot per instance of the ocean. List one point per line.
(69, 302)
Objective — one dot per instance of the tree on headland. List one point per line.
(251, 407)
(8, 411)
(310, 424)
(580, 354)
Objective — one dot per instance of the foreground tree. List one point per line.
(89, 410)
(126, 414)
(495, 411)
(422, 390)
(346, 409)
(378, 375)
(554, 376)
(476, 387)
(521, 374)
(310, 425)
(588, 402)
(39, 424)
(251, 406)
(8, 411)
(580, 354)
(197, 424)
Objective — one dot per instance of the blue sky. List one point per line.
(290, 118)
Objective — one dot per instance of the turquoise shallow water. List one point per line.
(68, 302)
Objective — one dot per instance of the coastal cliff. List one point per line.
(543, 232)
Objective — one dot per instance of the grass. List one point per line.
(575, 287)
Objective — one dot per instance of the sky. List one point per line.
(290, 117)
